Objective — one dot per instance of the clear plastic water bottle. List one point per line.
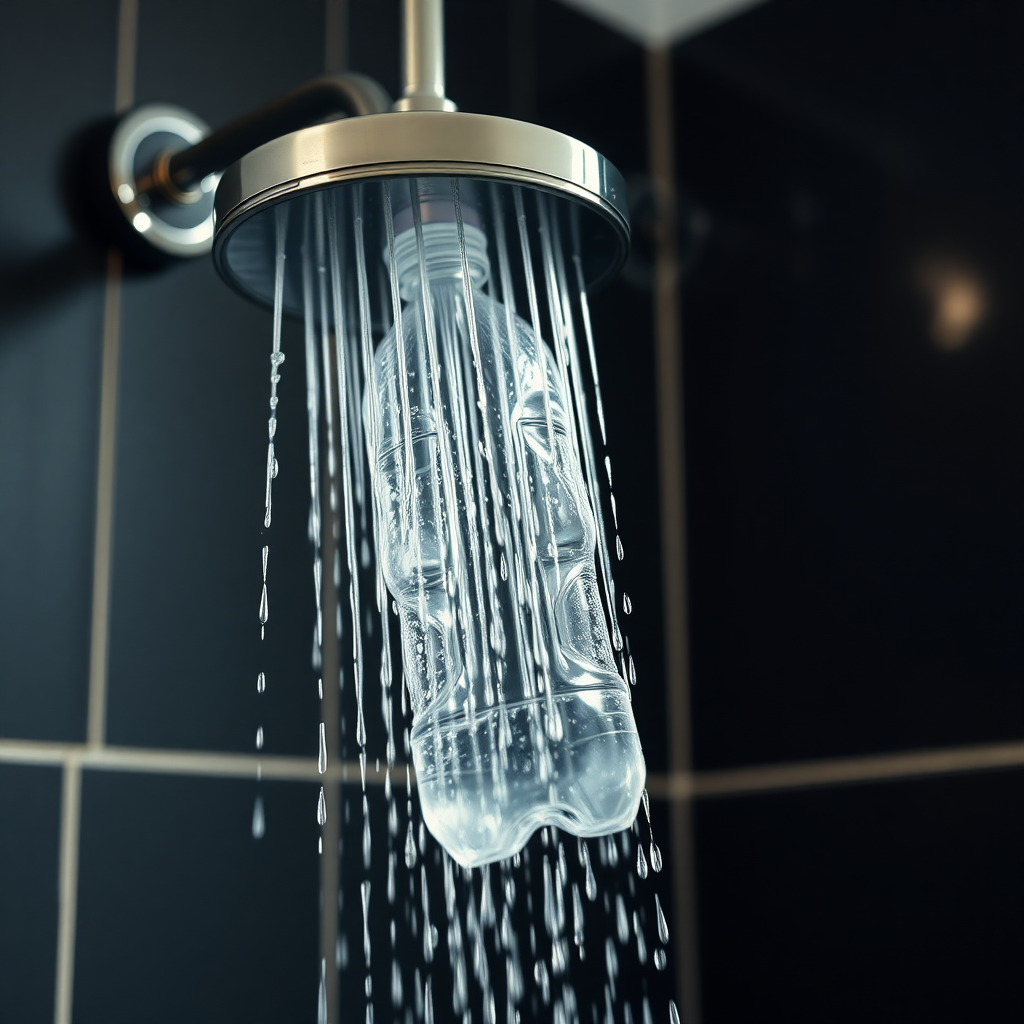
(486, 539)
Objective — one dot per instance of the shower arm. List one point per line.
(162, 163)
(176, 175)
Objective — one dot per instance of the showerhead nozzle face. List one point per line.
(385, 165)
(497, 224)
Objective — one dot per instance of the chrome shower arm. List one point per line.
(345, 94)
(151, 174)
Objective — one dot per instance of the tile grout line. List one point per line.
(71, 797)
(124, 92)
(335, 36)
(215, 764)
(127, 47)
(672, 476)
(889, 767)
(71, 806)
(702, 785)
(102, 551)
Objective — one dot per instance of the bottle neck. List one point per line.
(442, 257)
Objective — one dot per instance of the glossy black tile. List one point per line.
(242, 56)
(54, 81)
(182, 914)
(30, 808)
(895, 902)
(855, 554)
(185, 649)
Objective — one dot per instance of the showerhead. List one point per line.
(163, 164)
(488, 156)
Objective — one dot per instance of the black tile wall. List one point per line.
(897, 902)
(185, 644)
(191, 459)
(55, 78)
(30, 806)
(182, 914)
(855, 547)
(243, 55)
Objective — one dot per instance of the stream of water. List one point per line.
(525, 937)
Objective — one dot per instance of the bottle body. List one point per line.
(486, 539)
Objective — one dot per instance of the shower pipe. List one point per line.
(178, 174)
(164, 162)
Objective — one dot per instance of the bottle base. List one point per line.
(571, 760)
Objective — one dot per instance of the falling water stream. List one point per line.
(513, 934)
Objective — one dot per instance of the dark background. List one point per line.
(855, 503)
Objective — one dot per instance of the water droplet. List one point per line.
(266, 555)
(364, 895)
(273, 402)
(662, 923)
(646, 801)
(627, 605)
(577, 916)
(272, 427)
(590, 885)
(503, 566)
(428, 1003)
(273, 470)
(261, 683)
(641, 862)
(264, 611)
(259, 821)
(321, 1002)
(673, 1012)
(632, 671)
(621, 920)
(656, 861)
(366, 834)
(616, 636)
(276, 359)
(321, 808)
(641, 944)
(410, 848)
(620, 554)
(660, 960)
(608, 469)
(612, 851)
(259, 738)
(321, 761)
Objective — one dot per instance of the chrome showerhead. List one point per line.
(486, 155)
(163, 165)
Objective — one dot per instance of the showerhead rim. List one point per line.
(421, 143)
